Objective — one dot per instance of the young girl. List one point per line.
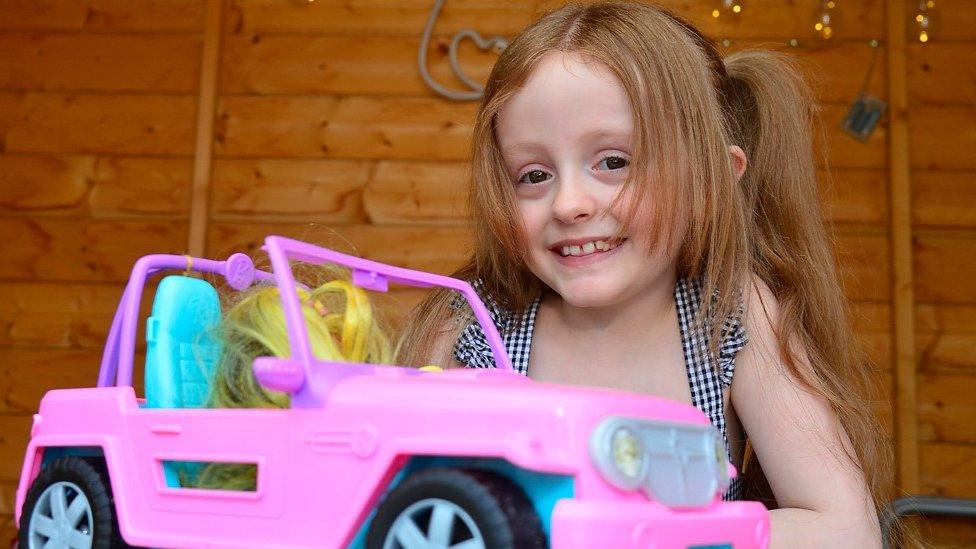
(647, 219)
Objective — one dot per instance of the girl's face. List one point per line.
(566, 137)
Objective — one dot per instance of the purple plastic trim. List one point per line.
(121, 343)
(116, 367)
(369, 274)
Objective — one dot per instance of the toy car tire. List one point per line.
(83, 507)
(477, 504)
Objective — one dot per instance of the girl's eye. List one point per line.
(534, 176)
(613, 163)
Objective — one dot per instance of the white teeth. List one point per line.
(588, 248)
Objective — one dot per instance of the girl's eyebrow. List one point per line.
(523, 147)
(603, 134)
(599, 134)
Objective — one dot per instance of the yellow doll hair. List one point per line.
(341, 327)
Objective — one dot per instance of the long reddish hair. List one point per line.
(690, 105)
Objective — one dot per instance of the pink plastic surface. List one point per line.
(323, 464)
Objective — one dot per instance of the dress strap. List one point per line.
(472, 347)
(706, 381)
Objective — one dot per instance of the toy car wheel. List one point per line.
(69, 505)
(458, 509)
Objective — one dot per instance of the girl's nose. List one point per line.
(573, 202)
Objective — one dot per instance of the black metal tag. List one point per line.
(863, 116)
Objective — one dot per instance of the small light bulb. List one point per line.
(827, 32)
(736, 8)
(919, 18)
(715, 13)
(831, 5)
(818, 26)
(930, 4)
(923, 36)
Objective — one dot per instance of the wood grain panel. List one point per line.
(34, 314)
(947, 469)
(29, 373)
(134, 124)
(944, 265)
(16, 433)
(115, 15)
(387, 65)
(435, 249)
(82, 249)
(141, 186)
(843, 150)
(328, 191)
(101, 62)
(365, 65)
(958, 532)
(954, 20)
(945, 337)
(417, 193)
(943, 137)
(769, 20)
(8, 491)
(941, 73)
(944, 199)
(98, 186)
(946, 408)
(855, 196)
(836, 71)
(45, 183)
(376, 17)
(872, 324)
(863, 259)
(344, 127)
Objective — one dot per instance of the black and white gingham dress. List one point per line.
(705, 381)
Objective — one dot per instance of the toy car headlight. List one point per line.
(618, 453)
(678, 464)
(627, 452)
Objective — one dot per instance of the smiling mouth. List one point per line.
(587, 248)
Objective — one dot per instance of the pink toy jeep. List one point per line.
(367, 455)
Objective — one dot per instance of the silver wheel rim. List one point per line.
(61, 518)
(434, 524)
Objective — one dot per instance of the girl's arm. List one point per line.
(823, 498)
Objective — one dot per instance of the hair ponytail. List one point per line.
(770, 115)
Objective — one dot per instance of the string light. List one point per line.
(923, 20)
(729, 7)
(825, 23)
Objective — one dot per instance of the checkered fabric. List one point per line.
(472, 348)
(706, 381)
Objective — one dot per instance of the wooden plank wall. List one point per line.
(942, 142)
(324, 130)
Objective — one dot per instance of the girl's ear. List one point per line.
(739, 160)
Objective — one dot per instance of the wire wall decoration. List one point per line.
(475, 90)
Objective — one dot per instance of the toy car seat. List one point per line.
(181, 352)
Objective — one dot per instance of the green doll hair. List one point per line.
(341, 325)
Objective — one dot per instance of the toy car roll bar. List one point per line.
(240, 273)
